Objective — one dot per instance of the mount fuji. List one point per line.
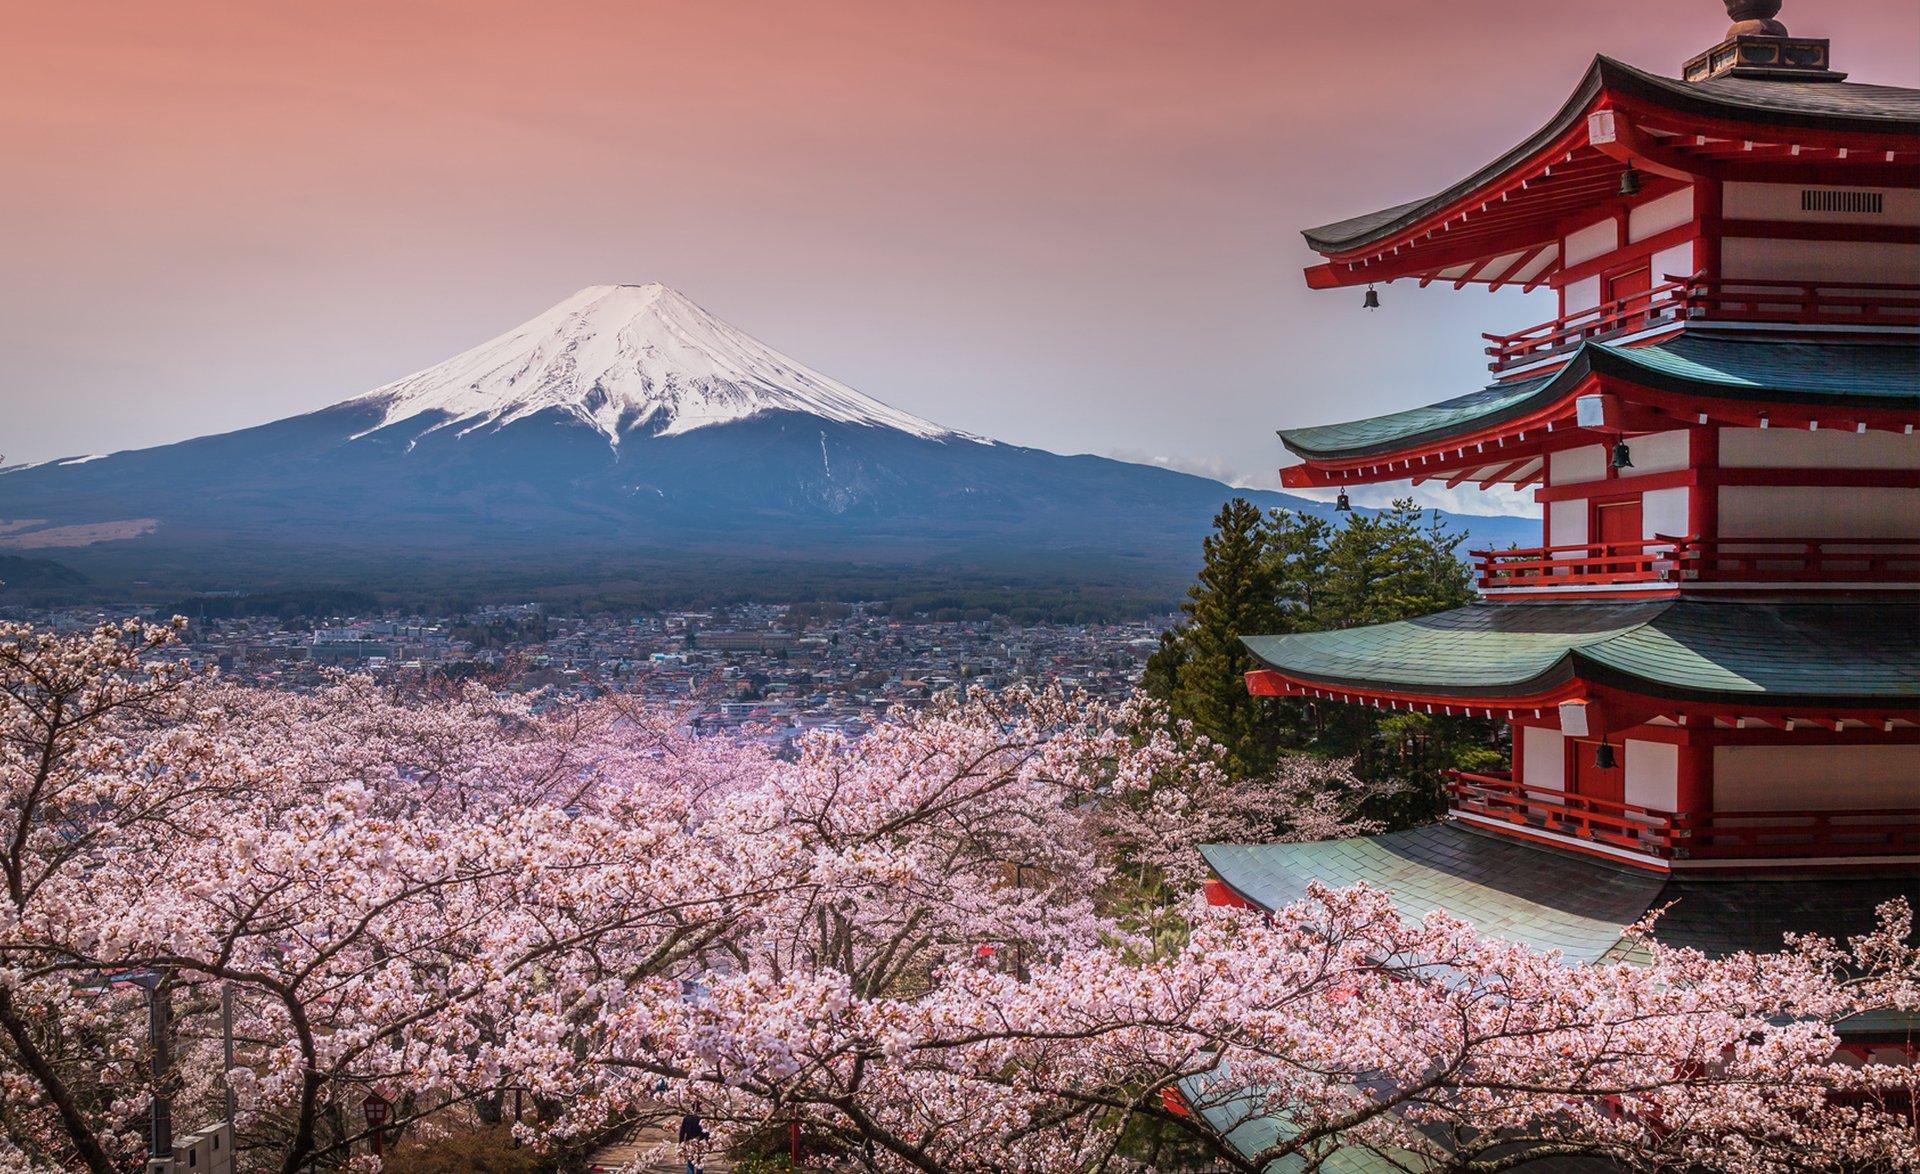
(628, 358)
(623, 435)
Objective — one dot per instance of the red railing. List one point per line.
(1691, 835)
(1662, 303)
(1754, 835)
(1669, 558)
(1623, 825)
(1699, 298)
(1822, 303)
(1794, 560)
(1578, 564)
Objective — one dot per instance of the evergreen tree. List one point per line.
(1390, 566)
(1288, 572)
(1236, 595)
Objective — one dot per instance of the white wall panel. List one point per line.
(1782, 259)
(1781, 778)
(1674, 262)
(1580, 295)
(1543, 758)
(1658, 452)
(1781, 201)
(1567, 522)
(1587, 243)
(1657, 216)
(1653, 774)
(1571, 466)
(1797, 448)
(1825, 511)
(1664, 511)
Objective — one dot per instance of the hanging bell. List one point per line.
(1629, 181)
(1341, 503)
(1603, 757)
(1371, 301)
(1622, 455)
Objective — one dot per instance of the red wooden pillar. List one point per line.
(1693, 785)
(1707, 213)
(1703, 499)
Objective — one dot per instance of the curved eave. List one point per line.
(1865, 119)
(1358, 232)
(1531, 417)
(1574, 677)
(1513, 660)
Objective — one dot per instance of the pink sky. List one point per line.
(1065, 224)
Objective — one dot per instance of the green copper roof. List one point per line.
(1546, 900)
(1772, 653)
(1238, 1115)
(1542, 899)
(1840, 374)
(1551, 900)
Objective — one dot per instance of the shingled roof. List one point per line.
(1714, 366)
(1841, 652)
(1579, 906)
(1545, 899)
(1835, 106)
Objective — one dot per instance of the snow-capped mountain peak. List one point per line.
(620, 357)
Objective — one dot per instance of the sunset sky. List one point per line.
(1064, 224)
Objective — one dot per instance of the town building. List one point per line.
(1710, 664)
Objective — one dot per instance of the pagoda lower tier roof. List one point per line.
(1743, 370)
(1579, 906)
(1858, 653)
(1545, 899)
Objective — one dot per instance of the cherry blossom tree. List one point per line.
(925, 947)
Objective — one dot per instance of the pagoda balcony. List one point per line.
(1680, 301)
(1669, 560)
(1500, 804)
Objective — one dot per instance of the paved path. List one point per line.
(646, 1140)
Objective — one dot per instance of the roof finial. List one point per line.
(1754, 18)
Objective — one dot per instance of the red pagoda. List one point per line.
(1711, 661)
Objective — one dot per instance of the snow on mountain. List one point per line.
(621, 357)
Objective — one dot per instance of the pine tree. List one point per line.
(1287, 572)
(1236, 595)
(1390, 566)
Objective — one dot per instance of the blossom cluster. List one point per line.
(924, 948)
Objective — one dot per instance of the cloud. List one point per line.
(1466, 500)
(1213, 468)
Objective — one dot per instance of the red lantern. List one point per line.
(378, 1110)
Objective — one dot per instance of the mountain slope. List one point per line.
(625, 433)
(621, 358)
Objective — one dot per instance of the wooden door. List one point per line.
(1593, 782)
(1634, 283)
(1615, 529)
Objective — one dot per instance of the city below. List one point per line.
(771, 671)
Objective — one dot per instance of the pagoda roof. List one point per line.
(1581, 906)
(1842, 654)
(1239, 1114)
(1821, 105)
(1742, 369)
(1502, 223)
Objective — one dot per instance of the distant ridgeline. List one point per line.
(627, 444)
(24, 574)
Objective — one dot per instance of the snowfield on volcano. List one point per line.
(625, 357)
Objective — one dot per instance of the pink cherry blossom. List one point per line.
(947, 946)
